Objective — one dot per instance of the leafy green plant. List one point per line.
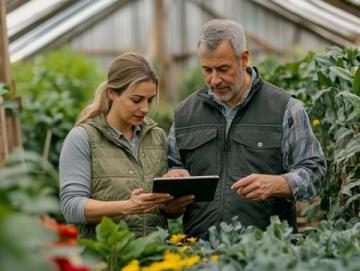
(28, 189)
(330, 246)
(116, 246)
(28, 184)
(3, 89)
(54, 87)
(329, 85)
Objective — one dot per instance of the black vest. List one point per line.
(252, 145)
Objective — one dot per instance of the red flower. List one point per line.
(65, 265)
(64, 231)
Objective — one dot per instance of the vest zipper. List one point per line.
(141, 171)
(223, 180)
(140, 166)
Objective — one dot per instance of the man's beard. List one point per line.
(234, 91)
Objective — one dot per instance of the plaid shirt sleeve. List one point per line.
(303, 159)
(174, 159)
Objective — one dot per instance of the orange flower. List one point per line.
(67, 233)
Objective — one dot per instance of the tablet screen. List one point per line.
(202, 187)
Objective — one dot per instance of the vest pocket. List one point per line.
(256, 150)
(198, 150)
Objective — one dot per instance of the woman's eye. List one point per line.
(136, 101)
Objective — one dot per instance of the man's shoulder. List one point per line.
(274, 89)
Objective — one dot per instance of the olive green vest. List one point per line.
(116, 172)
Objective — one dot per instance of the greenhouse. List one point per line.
(179, 135)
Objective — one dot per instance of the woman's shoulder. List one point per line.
(77, 136)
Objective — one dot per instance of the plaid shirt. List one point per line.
(302, 156)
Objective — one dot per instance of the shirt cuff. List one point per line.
(291, 180)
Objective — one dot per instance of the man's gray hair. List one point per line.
(218, 30)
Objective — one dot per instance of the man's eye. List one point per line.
(223, 69)
(206, 70)
(150, 100)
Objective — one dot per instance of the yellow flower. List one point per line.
(177, 238)
(192, 240)
(171, 257)
(132, 266)
(316, 122)
(184, 249)
(190, 261)
(173, 262)
(215, 258)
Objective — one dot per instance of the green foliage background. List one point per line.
(329, 85)
(54, 88)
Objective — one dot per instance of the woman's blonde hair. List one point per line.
(125, 72)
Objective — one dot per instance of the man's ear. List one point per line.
(245, 57)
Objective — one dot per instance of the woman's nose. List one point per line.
(145, 108)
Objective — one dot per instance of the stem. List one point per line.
(47, 144)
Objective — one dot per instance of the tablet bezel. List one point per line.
(190, 185)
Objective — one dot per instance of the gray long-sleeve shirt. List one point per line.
(75, 172)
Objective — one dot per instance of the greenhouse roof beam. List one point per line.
(62, 26)
(331, 23)
(31, 14)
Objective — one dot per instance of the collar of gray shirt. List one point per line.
(227, 111)
(134, 144)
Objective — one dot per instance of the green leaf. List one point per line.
(352, 148)
(356, 82)
(105, 230)
(346, 189)
(3, 89)
(351, 97)
(341, 73)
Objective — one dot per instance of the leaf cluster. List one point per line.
(28, 185)
(117, 246)
(329, 85)
(54, 88)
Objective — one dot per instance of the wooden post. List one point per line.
(5, 71)
(159, 48)
(10, 135)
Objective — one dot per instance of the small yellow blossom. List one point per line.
(169, 256)
(132, 266)
(173, 262)
(184, 249)
(214, 258)
(191, 240)
(316, 122)
(190, 261)
(177, 238)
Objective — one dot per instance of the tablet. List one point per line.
(202, 187)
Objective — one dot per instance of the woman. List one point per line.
(110, 157)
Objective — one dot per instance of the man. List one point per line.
(256, 137)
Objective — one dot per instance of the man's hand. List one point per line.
(259, 187)
(176, 207)
(177, 172)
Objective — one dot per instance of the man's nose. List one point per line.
(214, 79)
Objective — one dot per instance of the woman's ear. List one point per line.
(111, 94)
